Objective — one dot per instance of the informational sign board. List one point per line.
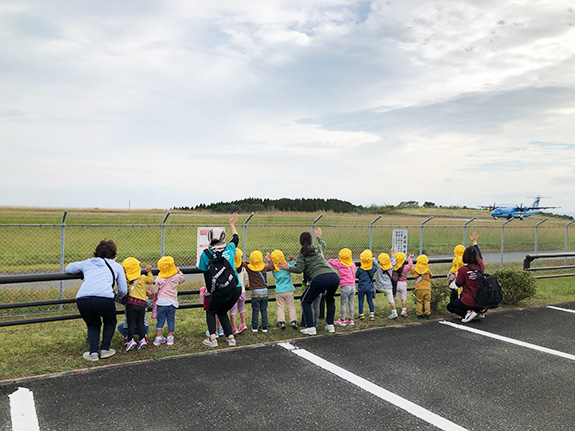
(203, 241)
(399, 241)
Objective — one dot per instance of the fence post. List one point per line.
(313, 228)
(567, 237)
(246, 232)
(421, 234)
(465, 230)
(164, 232)
(502, 240)
(537, 238)
(371, 230)
(62, 252)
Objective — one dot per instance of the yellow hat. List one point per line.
(256, 261)
(421, 267)
(345, 257)
(384, 261)
(238, 257)
(399, 259)
(366, 260)
(132, 268)
(457, 263)
(458, 250)
(277, 257)
(167, 267)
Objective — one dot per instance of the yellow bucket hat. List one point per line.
(256, 261)
(399, 259)
(238, 257)
(421, 267)
(277, 257)
(132, 268)
(366, 258)
(458, 250)
(167, 267)
(457, 263)
(384, 261)
(345, 257)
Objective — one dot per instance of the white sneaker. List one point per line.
(170, 340)
(309, 331)
(469, 316)
(330, 328)
(231, 341)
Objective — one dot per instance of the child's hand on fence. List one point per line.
(268, 257)
(290, 257)
(148, 268)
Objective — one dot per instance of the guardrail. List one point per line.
(533, 257)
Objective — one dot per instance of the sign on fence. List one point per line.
(203, 241)
(399, 240)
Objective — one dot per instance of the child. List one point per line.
(241, 304)
(384, 281)
(284, 288)
(452, 274)
(400, 271)
(136, 301)
(257, 271)
(165, 290)
(365, 289)
(422, 286)
(123, 329)
(346, 270)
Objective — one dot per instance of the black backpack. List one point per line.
(489, 292)
(220, 272)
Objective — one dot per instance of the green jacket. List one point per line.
(313, 265)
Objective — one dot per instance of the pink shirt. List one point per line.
(346, 273)
(171, 289)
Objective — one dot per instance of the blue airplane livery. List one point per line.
(519, 211)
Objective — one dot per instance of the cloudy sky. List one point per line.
(155, 104)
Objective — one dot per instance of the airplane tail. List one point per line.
(536, 202)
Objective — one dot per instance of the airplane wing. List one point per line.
(534, 208)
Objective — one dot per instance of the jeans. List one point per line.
(166, 312)
(259, 305)
(361, 295)
(327, 283)
(95, 310)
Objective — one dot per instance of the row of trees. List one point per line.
(284, 204)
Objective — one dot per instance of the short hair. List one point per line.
(470, 255)
(106, 249)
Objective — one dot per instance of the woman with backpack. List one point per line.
(467, 279)
(221, 278)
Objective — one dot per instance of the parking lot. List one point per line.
(514, 370)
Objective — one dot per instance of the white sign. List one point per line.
(203, 242)
(399, 240)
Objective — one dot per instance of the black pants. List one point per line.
(459, 308)
(95, 310)
(327, 283)
(135, 320)
(221, 301)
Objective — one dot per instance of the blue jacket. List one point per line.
(365, 279)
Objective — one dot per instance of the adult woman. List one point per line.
(467, 279)
(95, 298)
(221, 299)
(323, 278)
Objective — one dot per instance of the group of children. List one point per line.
(386, 274)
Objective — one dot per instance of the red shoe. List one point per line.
(242, 328)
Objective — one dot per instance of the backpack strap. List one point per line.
(112, 271)
(264, 279)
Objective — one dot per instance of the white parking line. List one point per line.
(510, 340)
(385, 395)
(23, 411)
(561, 309)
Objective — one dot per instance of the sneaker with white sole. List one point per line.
(254, 329)
(159, 340)
(264, 329)
(91, 356)
(107, 353)
(220, 332)
(330, 328)
(211, 343)
(469, 316)
(170, 340)
(349, 322)
(404, 313)
(231, 341)
(309, 331)
(142, 344)
(393, 315)
(340, 322)
(131, 344)
(294, 324)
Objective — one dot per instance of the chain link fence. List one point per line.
(47, 242)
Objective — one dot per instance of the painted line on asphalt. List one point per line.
(385, 395)
(23, 411)
(510, 340)
(561, 309)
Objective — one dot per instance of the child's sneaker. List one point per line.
(340, 322)
(91, 356)
(282, 325)
(254, 329)
(107, 353)
(220, 332)
(231, 341)
(309, 331)
(235, 331)
(170, 341)
(264, 328)
(125, 342)
(419, 316)
(208, 332)
(131, 344)
(393, 315)
(404, 313)
(242, 328)
(371, 316)
(330, 328)
(350, 322)
(294, 324)
(143, 343)
(361, 316)
(469, 316)
(159, 340)
(426, 316)
(211, 343)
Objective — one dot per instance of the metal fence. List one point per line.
(32, 245)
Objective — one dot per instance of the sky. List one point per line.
(159, 104)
